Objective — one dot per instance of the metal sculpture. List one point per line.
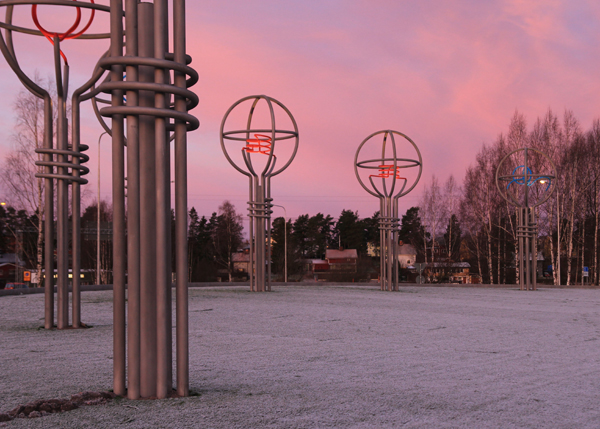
(62, 163)
(526, 190)
(388, 169)
(259, 141)
(142, 108)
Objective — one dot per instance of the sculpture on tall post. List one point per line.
(62, 162)
(529, 175)
(261, 164)
(388, 185)
(146, 107)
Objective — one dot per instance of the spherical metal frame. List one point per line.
(505, 178)
(409, 164)
(276, 135)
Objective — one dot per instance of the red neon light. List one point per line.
(259, 144)
(387, 171)
(66, 35)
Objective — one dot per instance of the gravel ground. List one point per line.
(318, 357)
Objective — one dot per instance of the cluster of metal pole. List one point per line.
(142, 248)
(388, 235)
(527, 236)
(61, 163)
(259, 212)
(260, 201)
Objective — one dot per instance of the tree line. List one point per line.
(212, 241)
(568, 222)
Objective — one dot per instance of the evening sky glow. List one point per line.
(450, 75)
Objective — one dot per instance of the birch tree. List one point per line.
(19, 169)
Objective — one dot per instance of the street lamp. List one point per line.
(284, 239)
(98, 216)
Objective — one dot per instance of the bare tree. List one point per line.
(19, 169)
(433, 211)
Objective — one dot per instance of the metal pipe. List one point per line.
(118, 193)
(62, 214)
(76, 147)
(147, 184)
(181, 205)
(133, 209)
(162, 207)
(49, 218)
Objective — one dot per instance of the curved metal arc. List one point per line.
(383, 184)
(245, 155)
(356, 166)
(108, 62)
(297, 135)
(223, 148)
(268, 166)
(413, 163)
(191, 121)
(66, 177)
(402, 193)
(96, 75)
(248, 163)
(68, 3)
(290, 134)
(248, 157)
(164, 88)
(31, 32)
(507, 197)
(376, 189)
(7, 49)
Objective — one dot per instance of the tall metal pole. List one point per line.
(163, 214)
(133, 208)
(118, 193)
(181, 213)
(48, 217)
(147, 207)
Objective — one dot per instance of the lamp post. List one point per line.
(284, 240)
(98, 217)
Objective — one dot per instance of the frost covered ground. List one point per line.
(317, 357)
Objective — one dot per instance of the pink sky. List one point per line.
(448, 74)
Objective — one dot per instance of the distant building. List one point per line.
(455, 272)
(407, 254)
(342, 260)
(315, 266)
(8, 268)
(241, 261)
